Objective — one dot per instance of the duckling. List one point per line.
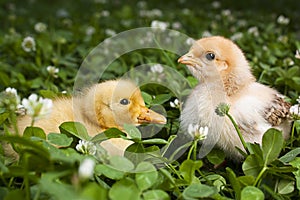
(105, 105)
(224, 76)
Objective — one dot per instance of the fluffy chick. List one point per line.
(224, 76)
(109, 104)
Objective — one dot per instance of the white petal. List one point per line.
(196, 128)
(201, 130)
(176, 101)
(205, 132)
(26, 103)
(172, 104)
(191, 129)
(86, 168)
(33, 97)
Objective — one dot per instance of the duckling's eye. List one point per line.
(210, 56)
(124, 101)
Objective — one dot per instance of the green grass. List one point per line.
(43, 171)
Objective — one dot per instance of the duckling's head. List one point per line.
(119, 102)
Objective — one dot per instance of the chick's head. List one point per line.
(214, 54)
(120, 102)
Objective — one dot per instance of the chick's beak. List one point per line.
(188, 59)
(149, 116)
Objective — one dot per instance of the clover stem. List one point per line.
(14, 123)
(292, 134)
(195, 150)
(32, 122)
(170, 166)
(190, 152)
(260, 175)
(238, 132)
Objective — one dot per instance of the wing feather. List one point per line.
(277, 111)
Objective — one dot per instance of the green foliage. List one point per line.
(34, 165)
(195, 191)
(251, 192)
(271, 145)
(60, 140)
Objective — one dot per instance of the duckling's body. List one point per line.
(62, 111)
(106, 105)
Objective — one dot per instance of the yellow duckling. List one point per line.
(105, 105)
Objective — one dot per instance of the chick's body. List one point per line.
(224, 76)
(102, 106)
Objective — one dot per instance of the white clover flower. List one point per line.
(175, 104)
(173, 34)
(141, 4)
(37, 107)
(151, 13)
(86, 168)
(283, 20)
(90, 30)
(186, 11)
(297, 55)
(288, 61)
(198, 131)
(190, 41)
(40, 27)
(10, 99)
(105, 13)
(176, 25)
(86, 147)
(110, 32)
(62, 13)
(100, 1)
(216, 4)
(156, 13)
(253, 30)
(12, 91)
(148, 39)
(159, 25)
(283, 39)
(53, 71)
(295, 111)
(222, 109)
(206, 34)
(265, 48)
(157, 68)
(126, 23)
(236, 36)
(241, 22)
(226, 12)
(298, 100)
(28, 44)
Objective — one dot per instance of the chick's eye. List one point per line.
(210, 56)
(124, 101)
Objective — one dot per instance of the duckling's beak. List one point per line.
(149, 116)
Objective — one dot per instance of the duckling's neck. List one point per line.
(84, 112)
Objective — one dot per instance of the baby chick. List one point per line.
(224, 76)
(109, 104)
